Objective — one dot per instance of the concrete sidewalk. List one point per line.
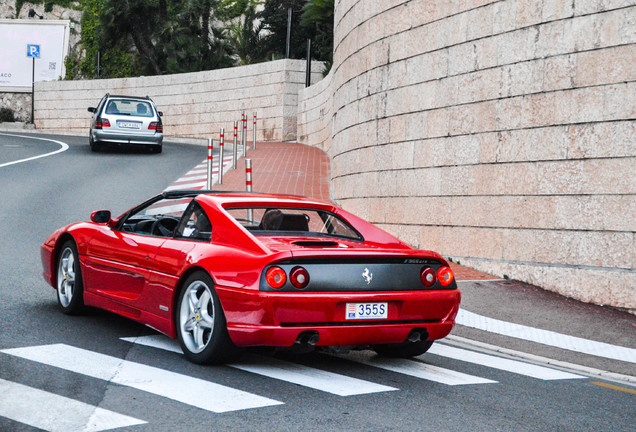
(508, 314)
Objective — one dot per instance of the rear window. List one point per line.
(279, 220)
(129, 107)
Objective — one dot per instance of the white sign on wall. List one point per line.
(16, 35)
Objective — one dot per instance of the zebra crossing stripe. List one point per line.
(509, 365)
(417, 369)
(546, 337)
(182, 388)
(54, 413)
(294, 373)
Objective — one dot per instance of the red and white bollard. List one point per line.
(248, 175)
(209, 180)
(248, 185)
(235, 146)
(221, 156)
(244, 134)
(254, 133)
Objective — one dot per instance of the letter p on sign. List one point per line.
(33, 50)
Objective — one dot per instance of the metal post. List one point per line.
(221, 156)
(308, 68)
(245, 130)
(242, 137)
(235, 146)
(254, 133)
(288, 40)
(248, 185)
(243, 134)
(33, 92)
(209, 181)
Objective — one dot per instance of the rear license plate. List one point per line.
(367, 311)
(128, 125)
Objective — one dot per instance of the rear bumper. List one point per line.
(123, 138)
(277, 319)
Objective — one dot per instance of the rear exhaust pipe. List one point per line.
(308, 338)
(414, 336)
(417, 334)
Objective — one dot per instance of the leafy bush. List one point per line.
(6, 115)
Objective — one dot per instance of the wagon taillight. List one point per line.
(275, 277)
(101, 123)
(156, 126)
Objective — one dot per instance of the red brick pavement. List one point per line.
(285, 168)
(297, 169)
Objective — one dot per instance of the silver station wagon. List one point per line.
(126, 121)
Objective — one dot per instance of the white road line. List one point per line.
(182, 388)
(55, 413)
(508, 365)
(192, 183)
(305, 376)
(62, 149)
(186, 186)
(417, 369)
(546, 337)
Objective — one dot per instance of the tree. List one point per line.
(150, 37)
(115, 60)
(246, 35)
(275, 22)
(311, 19)
(319, 14)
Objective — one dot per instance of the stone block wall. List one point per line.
(499, 133)
(315, 110)
(194, 104)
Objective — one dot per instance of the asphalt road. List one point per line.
(38, 344)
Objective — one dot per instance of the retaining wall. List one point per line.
(500, 133)
(194, 104)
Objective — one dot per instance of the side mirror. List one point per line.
(101, 217)
(92, 109)
(160, 113)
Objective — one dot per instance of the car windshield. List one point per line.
(279, 220)
(136, 108)
(160, 218)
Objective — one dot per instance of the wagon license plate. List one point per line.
(128, 125)
(367, 311)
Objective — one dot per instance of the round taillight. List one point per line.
(428, 277)
(276, 277)
(445, 276)
(299, 277)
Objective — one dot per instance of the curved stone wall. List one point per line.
(500, 133)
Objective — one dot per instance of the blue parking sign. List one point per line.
(33, 50)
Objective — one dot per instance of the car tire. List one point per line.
(94, 145)
(158, 149)
(404, 349)
(200, 322)
(70, 288)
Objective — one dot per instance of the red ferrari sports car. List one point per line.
(221, 270)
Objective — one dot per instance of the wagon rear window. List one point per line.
(129, 107)
(268, 220)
